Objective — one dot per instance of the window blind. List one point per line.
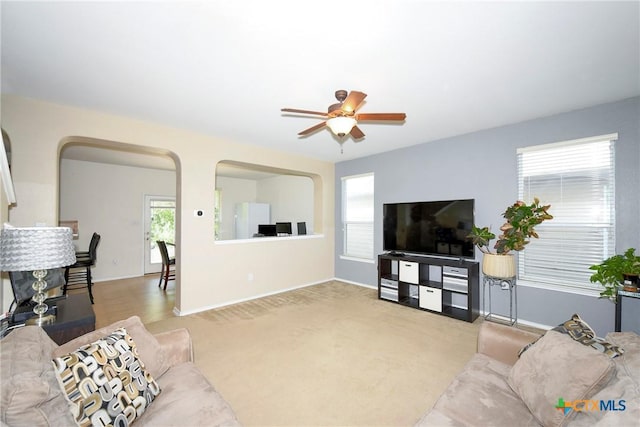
(358, 238)
(577, 179)
(357, 216)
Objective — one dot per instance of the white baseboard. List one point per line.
(520, 321)
(108, 279)
(351, 282)
(225, 304)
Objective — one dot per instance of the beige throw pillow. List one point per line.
(555, 369)
(148, 346)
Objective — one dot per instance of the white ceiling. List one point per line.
(225, 68)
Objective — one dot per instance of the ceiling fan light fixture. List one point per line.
(341, 126)
(341, 118)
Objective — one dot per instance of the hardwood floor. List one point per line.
(118, 299)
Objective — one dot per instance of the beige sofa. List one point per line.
(32, 395)
(498, 388)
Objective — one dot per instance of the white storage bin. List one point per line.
(389, 283)
(389, 294)
(455, 271)
(431, 298)
(409, 272)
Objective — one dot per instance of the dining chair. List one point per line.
(78, 275)
(167, 273)
(95, 238)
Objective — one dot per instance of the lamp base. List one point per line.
(45, 319)
(24, 312)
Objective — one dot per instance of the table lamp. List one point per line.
(37, 249)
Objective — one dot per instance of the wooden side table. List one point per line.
(74, 317)
(622, 294)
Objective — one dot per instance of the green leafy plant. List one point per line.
(519, 227)
(610, 272)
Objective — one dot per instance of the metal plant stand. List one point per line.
(623, 294)
(487, 283)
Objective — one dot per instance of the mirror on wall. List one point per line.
(254, 201)
(5, 169)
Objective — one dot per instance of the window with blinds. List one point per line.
(577, 178)
(357, 216)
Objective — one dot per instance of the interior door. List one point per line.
(160, 220)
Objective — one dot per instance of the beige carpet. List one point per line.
(327, 355)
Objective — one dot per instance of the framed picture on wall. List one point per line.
(72, 224)
(5, 171)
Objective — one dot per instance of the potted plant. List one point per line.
(613, 273)
(517, 231)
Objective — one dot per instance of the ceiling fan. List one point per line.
(342, 118)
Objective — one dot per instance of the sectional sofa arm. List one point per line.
(177, 346)
(503, 342)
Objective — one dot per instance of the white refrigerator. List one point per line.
(248, 216)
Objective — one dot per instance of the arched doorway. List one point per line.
(102, 185)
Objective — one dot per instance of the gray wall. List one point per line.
(482, 166)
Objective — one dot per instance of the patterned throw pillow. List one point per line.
(105, 381)
(581, 332)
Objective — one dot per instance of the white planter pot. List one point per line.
(500, 266)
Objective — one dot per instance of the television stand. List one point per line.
(450, 287)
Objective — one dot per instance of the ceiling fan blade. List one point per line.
(295, 110)
(356, 133)
(312, 129)
(353, 101)
(381, 116)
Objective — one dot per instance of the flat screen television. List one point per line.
(430, 228)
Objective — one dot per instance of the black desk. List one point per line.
(622, 294)
(74, 317)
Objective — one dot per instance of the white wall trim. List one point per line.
(179, 313)
(520, 321)
(350, 258)
(351, 282)
(133, 276)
